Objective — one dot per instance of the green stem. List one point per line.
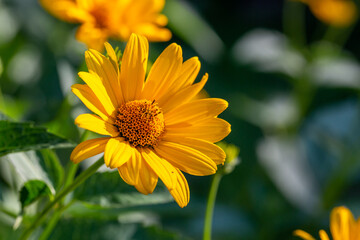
(7, 212)
(71, 171)
(2, 102)
(72, 168)
(338, 36)
(210, 206)
(294, 22)
(81, 178)
(52, 222)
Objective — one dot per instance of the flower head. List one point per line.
(101, 19)
(343, 226)
(339, 13)
(155, 128)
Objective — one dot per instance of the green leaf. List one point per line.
(70, 228)
(3, 116)
(89, 228)
(19, 168)
(63, 123)
(12, 108)
(108, 190)
(33, 190)
(7, 231)
(53, 167)
(18, 137)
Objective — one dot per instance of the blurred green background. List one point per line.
(292, 84)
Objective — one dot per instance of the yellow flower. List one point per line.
(343, 226)
(339, 13)
(101, 19)
(154, 128)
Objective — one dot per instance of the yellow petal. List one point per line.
(94, 82)
(173, 179)
(157, 5)
(196, 111)
(181, 97)
(186, 158)
(153, 32)
(112, 56)
(341, 221)
(189, 71)
(88, 149)
(98, 64)
(323, 235)
(117, 152)
(211, 150)
(164, 71)
(131, 170)
(66, 10)
(86, 4)
(138, 12)
(84, 93)
(124, 174)
(356, 229)
(96, 124)
(303, 235)
(147, 179)
(133, 66)
(212, 130)
(165, 171)
(161, 20)
(181, 192)
(92, 36)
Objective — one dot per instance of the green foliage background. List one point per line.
(293, 87)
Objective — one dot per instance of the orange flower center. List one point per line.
(100, 15)
(140, 122)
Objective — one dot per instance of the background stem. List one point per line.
(210, 206)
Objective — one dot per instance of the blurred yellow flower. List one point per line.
(343, 226)
(155, 128)
(102, 19)
(338, 13)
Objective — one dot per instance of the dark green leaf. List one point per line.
(108, 190)
(18, 137)
(33, 190)
(78, 229)
(127, 226)
(155, 232)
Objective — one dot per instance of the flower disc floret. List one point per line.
(101, 18)
(140, 122)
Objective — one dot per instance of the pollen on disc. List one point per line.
(140, 122)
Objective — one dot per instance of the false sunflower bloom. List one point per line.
(102, 19)
(343, 226)
(154, 128)
(338, 13)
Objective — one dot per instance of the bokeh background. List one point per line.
(292, 83)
